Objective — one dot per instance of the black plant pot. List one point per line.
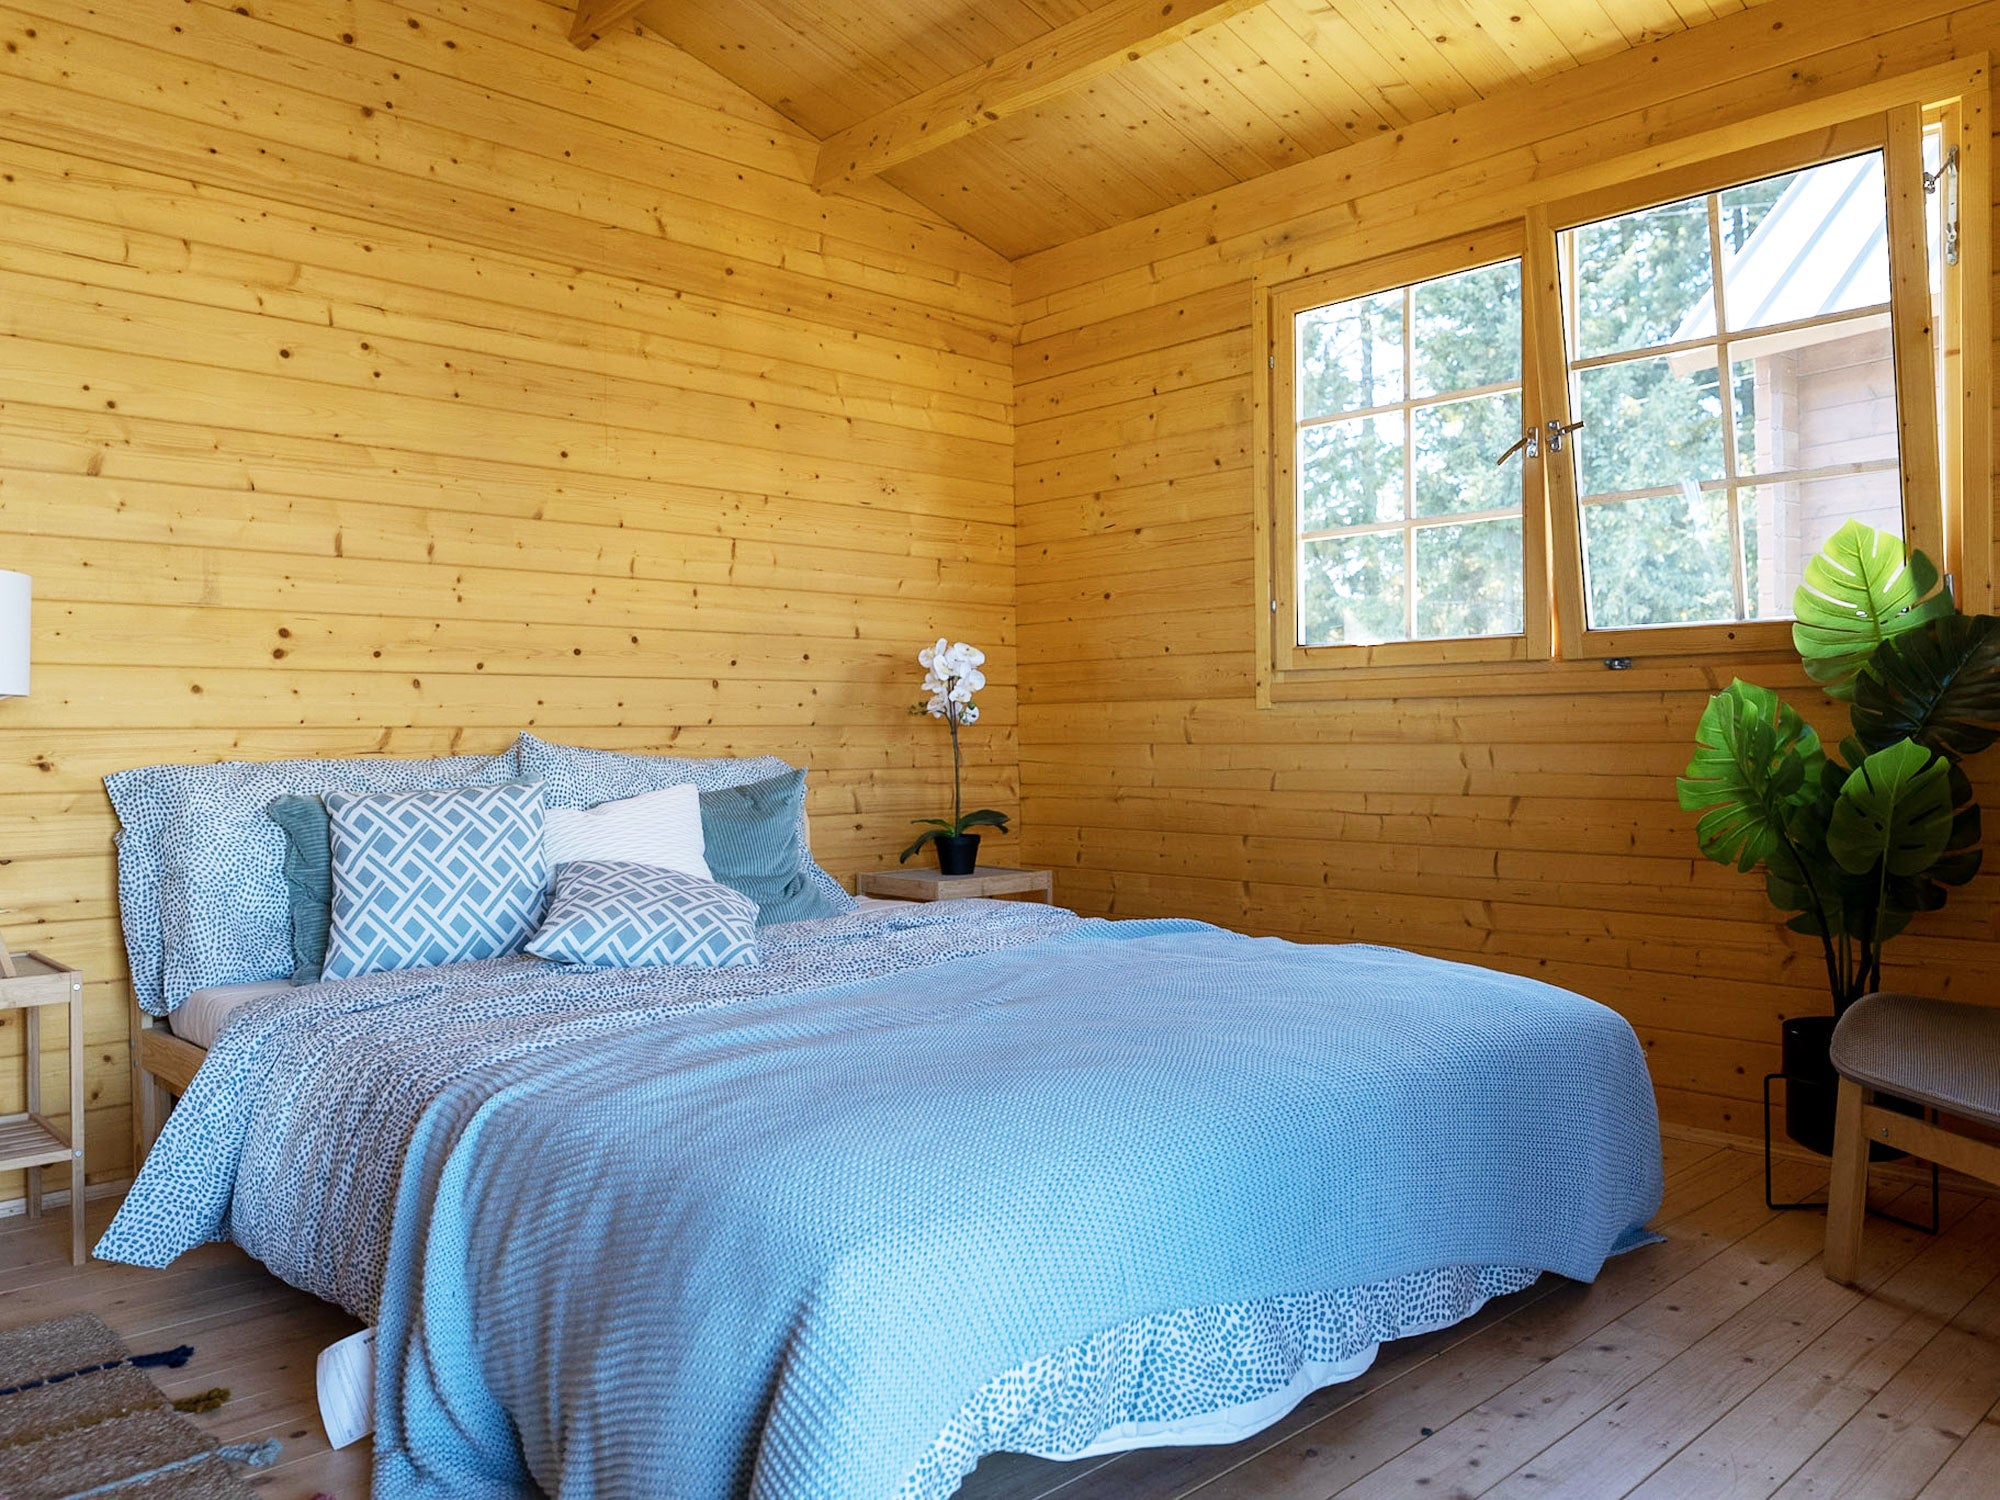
(958, 853)
(1812, 1086)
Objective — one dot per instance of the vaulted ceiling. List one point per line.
(1028, 123)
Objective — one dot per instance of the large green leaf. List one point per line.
(1860, 590)
(1756, 765)
(1956, 866)
(1806, 879)
(1938, 685)
(1894, 814)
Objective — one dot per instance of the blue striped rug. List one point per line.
(80, 1419)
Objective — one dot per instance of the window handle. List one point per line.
(1559, 430)
(1530, 446)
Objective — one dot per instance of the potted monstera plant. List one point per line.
(1857, 841)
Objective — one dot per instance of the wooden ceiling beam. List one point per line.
(1114, 34)
(595, 17)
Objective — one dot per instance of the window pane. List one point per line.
(1649, 422)
(1350, 355)
(1351, 589)
(1409, 473)
(1805, 244)
(1637, 276)
(1351, 473)
(1659, 561)
(1815, 399)
(1456, 445)
(1469, 579)
(1467, 330)
(1805, 339)
(1784, 524)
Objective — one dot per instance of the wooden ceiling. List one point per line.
(1029, 123)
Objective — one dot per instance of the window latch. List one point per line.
(1947, 176)
(1530, 446)
(1559, 430)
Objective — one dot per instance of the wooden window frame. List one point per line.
(1388, 273)
(1898, 135)
(1565, 656)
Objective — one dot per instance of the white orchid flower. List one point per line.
(951, 677)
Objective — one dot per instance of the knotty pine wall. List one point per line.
(1535, 833)
(390, 377)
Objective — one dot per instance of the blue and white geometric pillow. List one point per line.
(613, 914)
(425, 878)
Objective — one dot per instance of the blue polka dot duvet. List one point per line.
(918, 1187)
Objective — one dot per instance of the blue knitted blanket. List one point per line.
(930, 1180)
(770, 1251)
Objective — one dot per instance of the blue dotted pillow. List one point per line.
(201, 869)
(615, 914)
(427, 878)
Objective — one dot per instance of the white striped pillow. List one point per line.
(661, 829)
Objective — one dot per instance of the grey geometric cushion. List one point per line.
(615, 914)
(434, 877)
(1940, 1052)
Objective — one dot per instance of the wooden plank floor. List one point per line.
(1720, 1365)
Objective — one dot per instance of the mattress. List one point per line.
(199, 1018)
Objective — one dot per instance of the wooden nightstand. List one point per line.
(928, 885)
(30, 1140)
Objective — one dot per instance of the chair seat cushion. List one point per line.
(1940, 1052)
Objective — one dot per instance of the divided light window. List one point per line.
(1701, 496)
(1406, 528)
(1616, 428)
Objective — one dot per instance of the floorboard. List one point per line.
(1718, 1364)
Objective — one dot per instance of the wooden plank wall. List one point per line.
(385, 376)
(1537, 833)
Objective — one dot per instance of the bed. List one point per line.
(927, 1182)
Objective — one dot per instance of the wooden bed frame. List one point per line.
(163, 1065)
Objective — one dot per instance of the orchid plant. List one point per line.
(951, 677)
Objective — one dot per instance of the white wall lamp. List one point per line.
(15, 614)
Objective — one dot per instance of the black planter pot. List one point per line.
(1812, 1085)
(958, 853)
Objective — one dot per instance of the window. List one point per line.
(1618, 427)
(1402, 529)
(1406, 531)
(1701, 497)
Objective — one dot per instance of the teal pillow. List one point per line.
(750, 838)
(308, 879)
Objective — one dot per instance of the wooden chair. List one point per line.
(1936, 1052)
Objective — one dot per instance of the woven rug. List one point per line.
(79, 1417)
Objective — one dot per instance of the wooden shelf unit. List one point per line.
(31, 1141)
